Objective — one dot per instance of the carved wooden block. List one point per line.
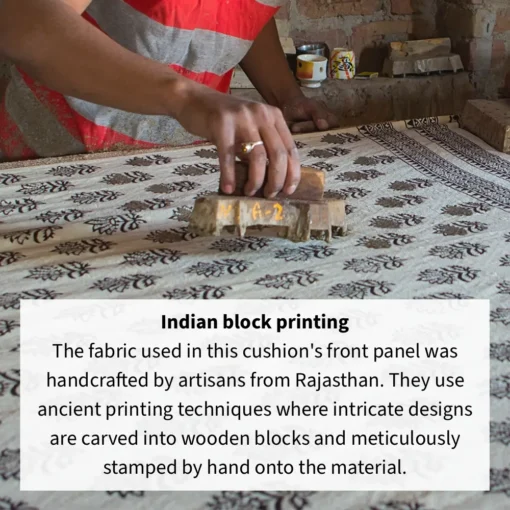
(490, 121)
(419, 65)
(310, 187)
(422, 48)
(298, 219)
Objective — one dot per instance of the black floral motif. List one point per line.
(9, 504)
(218, 268)
(18, 206)
(153, 159)
(85, 246)
(360, 289)
(198, 292)
(7, 326)
(36, 235)
(345, 193)
(9, 382)
(300, 145)
(150, 257)
(501, 315)
(400, 505)
(42, 188)
(196, 169)
(7, 179)
(322, 165)
(123, 283)
(500, 481)
(396, 221)
(446, 295)
(182, 213)
(500, 432)
(505, 261)
(135, 206)
(410, 185)
(374, 160)
(504, 287)
(94, 197)
(10, 300)
(448, 275)
(507, 237)
(69, 171)
(374, 264)
(126, 178)
(400, 201)
(340, 138)
(501, 352)
(349, 209)
(238, 244)
(500, 387)
(304, 253)
(126, 494)
(329, 152)
(109, 225)
(70, 270)
(207, 153)
(383, 241)
(287, 280)
(180, 187)
(460, 228)
(10, 257)
(458, 250)
(359, 175)
(467, 209)
(9, 464)
(172, 235)
(55, 216)
(260, 500)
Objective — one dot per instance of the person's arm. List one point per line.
(267, 68)
(52, 43)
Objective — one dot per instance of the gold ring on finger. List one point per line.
(246, 148)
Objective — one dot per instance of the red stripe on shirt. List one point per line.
(99, 138)
(214, 81)
(12, 143)
(215, 15)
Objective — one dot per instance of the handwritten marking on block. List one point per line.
(276, 211)
(225, 210)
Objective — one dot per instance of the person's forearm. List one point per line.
(55, 46)
(268, 69)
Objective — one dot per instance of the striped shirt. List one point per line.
(201, 39)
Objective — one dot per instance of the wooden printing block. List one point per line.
(421, 57)
(490, 121)
(298, 219)
(310, 187)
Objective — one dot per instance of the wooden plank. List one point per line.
(310, 187)
(490, 121)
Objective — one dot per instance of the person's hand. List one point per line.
(228, 122)
(304, 115)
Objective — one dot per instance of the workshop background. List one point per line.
(479, 30)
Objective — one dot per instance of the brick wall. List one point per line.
(480, 32)
(366, 26)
